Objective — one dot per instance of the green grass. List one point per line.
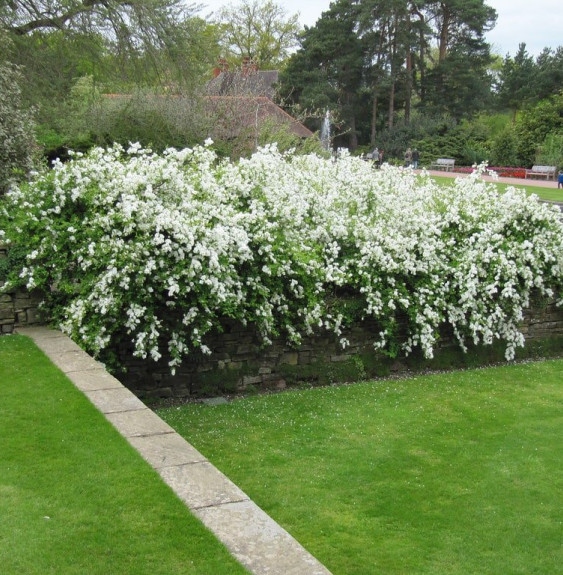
(75, 498)
(455, 473)
(550, 194)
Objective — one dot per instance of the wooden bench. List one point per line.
(446, 164)
(547, 172)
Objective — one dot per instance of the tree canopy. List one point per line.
(396, 53)
(391, 72)
(260, 31)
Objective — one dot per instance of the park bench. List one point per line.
(547, 172)
(446, 164)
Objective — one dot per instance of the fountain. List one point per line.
(325, 132)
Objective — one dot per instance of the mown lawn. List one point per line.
(75, 498)
(552, 194)
(455, 473)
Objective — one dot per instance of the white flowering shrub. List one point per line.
(157, 250)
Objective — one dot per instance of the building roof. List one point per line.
(235, 113)
(245, 82)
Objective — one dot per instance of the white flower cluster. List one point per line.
(157, 250)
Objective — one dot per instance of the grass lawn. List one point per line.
(551, 194)
(75, 498)
(455, 473)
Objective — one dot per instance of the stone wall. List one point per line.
(239, 363)
(17, 307)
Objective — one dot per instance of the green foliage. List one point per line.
(326, 73)
(272, 132)
(17, 143)
(535, 124)
(551, 151)
(116, 47)
(517, 82)
(76, 498)
(459, 85)
(152, 118)
(504, 148)
(259, 30)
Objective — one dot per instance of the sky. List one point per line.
(537, 23)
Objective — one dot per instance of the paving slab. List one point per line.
(258, 542)
(69, 361)
(41, 333)
(114, 400)
(201, 485)
(138, 422)
(51, 344)
(166, 450)
(94, 379)
(253, 537)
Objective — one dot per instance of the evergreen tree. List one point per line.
(517, 84)
(326, 72)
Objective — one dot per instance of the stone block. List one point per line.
(33, 316)
(7, 313)
(201, 485)
(290, 358)
(340, 358)
(251, 380)
(114, 400)
(142, 422)
(166, 450)
(259, 543)
(94, 379)
(246, 348)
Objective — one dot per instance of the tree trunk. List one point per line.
(391, 104)
(408, 87)
(373, 118)
(444, 33)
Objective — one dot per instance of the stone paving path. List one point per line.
(253, 537)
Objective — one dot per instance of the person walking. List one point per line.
(408, 157)
(375, 157)
(415, 158)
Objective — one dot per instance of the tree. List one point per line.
(16, 125)
(535, 124)
(517, 83)
(457, 81)
(120, 46)
(259, 31)
(326, 72)
(550, 71)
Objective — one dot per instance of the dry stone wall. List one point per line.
(239, 361)
(17, 307)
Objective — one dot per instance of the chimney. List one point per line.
(245, 65)
(222, 66)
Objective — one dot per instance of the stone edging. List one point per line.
(252, 536)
